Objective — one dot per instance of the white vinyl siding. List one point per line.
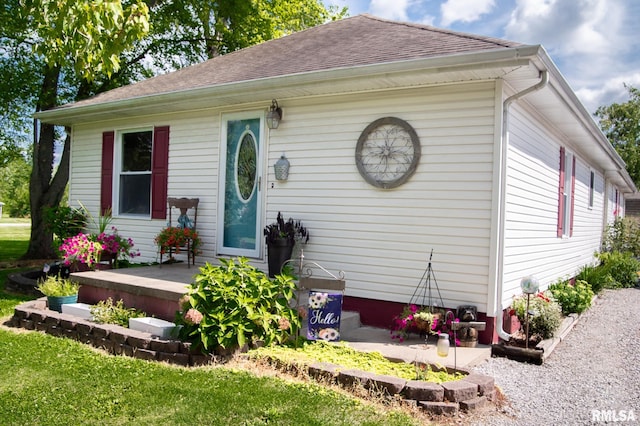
(381, 239)
(531, 243)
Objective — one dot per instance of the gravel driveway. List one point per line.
(594, 372)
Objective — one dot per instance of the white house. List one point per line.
(402, 139)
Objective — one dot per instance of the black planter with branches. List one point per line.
(281, 237)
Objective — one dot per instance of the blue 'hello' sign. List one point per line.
(323, 322)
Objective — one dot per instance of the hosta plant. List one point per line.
(235, 304)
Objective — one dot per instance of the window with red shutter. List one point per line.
(561, 194)
(159, 172)
(106, 179)
(135, 172)
(566, 192)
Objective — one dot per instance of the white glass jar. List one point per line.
(443, 344)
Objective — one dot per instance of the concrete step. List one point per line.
(349, 321)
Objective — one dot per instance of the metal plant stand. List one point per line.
(423, 293)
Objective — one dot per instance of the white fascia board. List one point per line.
(494, 58)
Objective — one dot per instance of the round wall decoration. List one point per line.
(388, 152)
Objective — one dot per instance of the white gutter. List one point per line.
(544, 79)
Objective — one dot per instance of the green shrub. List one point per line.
(622, 267)
(64, 221)
(622, 235)
(572, 298)
(597, 277)
(235, 304)
(545, 314)
(105, 312)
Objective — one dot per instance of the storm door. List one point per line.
(240, 196)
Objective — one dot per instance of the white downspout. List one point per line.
(544, 79)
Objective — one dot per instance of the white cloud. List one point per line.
(592, 41)
(428, 20)
(390, 9)
(568, 27)
(464, 10)
(609, 91)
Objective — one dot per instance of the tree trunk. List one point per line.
(45, 190)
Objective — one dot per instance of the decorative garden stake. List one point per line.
(454, 327)
(529, 286)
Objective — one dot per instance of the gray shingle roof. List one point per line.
(356, 41)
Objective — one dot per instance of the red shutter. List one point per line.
(106, 180)
(159, 172)
(573, 194)
(560, 193)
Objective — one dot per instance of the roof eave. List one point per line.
(268, 88)
(568, 96)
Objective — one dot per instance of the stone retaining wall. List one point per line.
(469, 393)
(112, 338)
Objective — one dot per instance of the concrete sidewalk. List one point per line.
(370, 339)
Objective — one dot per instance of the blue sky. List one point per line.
(594, 43)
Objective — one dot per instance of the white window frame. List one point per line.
(117, 172)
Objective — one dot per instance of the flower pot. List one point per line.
(110, 258)
(422, 325)
(55, 302)
(278, 252)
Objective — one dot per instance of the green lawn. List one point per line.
(14, 238)
(55, 381)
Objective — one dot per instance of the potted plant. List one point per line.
(58, 291)
(81, 249)
(414, 318)
(115, 248)
(172, 238)
(281, 236)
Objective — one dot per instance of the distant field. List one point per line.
(15, 220)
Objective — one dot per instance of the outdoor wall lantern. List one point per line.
(281, 168)
(274, 115)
